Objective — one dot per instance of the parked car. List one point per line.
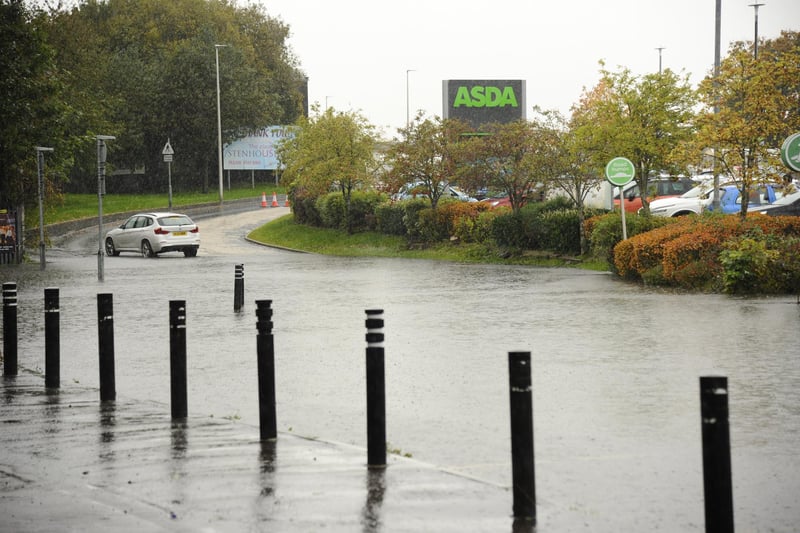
(414, 190)
(730, 198)
(659, 188)
(788, 205)
(692, 202)
(153, 233)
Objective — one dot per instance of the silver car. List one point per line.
(154, 233)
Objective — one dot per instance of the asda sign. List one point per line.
(480, 102)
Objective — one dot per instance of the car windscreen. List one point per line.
(175, 220)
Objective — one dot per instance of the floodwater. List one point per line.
(616, 367)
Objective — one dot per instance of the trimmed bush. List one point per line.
(389, 218)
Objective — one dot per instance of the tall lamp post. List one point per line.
(101, 191)
(660, 48)
(219, 121)
(40, 170)
(408, 119)
(755, 38)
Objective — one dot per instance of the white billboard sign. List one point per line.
(257, 150)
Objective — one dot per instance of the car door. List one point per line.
(125, 237)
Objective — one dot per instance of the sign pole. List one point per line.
(620, 172)
(168, 152)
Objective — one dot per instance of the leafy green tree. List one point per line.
(426, 156)
(332, 151)
(519, 158)
(31, 105)
(576, 175)
(757, 102)
(644, 118)
(144, 71)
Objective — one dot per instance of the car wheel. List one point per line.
(189, 252)
(147, 250)
(110, 249)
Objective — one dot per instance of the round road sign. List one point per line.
(620, 171)
(790, 152)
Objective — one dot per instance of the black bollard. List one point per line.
(524, 482)
(716, 454)
(265, 347)
(177, 357)
(52, 339)
(238, 288)
(10, 329)
(376, 390)
(105, 329)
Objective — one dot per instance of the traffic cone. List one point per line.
(263, 199)
(286, 201)
(274, 199)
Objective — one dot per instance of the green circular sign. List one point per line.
(620, 171)
(790, 152)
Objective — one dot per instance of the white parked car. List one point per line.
(153, 233)
(692, 202)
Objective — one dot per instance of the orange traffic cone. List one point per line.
(274, 200)
(286, 201)
(263, 199)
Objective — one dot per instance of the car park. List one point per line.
(788, 205)
(692, 202)
(658, 187)
(150, 234)
(419, 190)
(730, 199)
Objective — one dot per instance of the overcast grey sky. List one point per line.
(356, 52)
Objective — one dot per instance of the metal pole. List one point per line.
(169, 178)
(101, 191)
(408, 105)
(376, 391)
(219, 123)
(52, 339)
(717, 31)
(716, 454)
(10, 329)
(105, 331)
(660, 48)
(265, 347)
(40, 169)
(177, 358)
(238, 288)
(755, 38)
(523, 479)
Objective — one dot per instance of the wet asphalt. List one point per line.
(69, 462)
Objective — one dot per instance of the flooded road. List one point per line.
(615, 367)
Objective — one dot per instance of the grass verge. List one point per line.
(284, 232)
(77, 206)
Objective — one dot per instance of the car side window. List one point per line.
(130, 223)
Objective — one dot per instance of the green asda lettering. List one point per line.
(481, 96)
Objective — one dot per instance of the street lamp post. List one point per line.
(660, 48)
(755, 38)
(408, 120)
(219, 121)
(101, 190)
(40, 171)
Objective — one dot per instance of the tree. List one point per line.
(576, 176)
(31, 105)
(756, 101)
(642, 118)
(519, 158)
(144, 71)
(331, 151)
(425, 156)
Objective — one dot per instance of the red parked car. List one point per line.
(659, 188)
